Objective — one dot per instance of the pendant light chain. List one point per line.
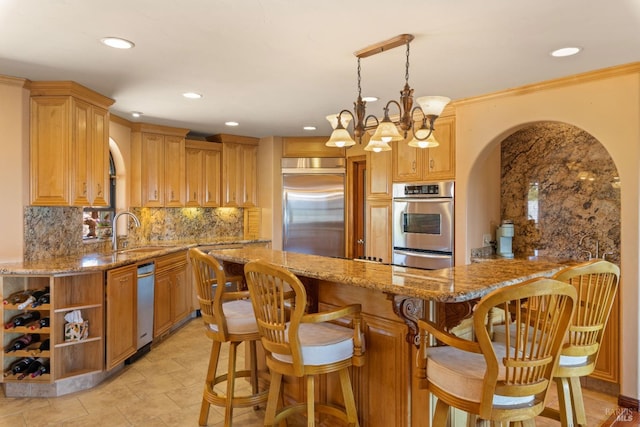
(359, 88)
(406, 75)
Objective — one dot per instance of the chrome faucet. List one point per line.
(114, 233)
(591, 237)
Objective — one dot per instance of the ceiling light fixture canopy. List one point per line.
(428, 110)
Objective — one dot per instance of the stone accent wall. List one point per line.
(560, 187)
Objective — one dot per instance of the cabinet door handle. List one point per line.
(99, 190)
(155, 194)
(413, 165)
(84, 188)
(431, 163)
(172, 198)
(194, 195)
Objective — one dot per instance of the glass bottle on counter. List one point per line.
(22, 319)
(22, 342)
(19, 366)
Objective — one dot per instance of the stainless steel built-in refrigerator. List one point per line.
(313, 205)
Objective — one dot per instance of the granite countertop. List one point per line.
(104, 261)
(455, 284)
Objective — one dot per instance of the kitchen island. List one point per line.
(392, 300)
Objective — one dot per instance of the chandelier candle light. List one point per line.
(430, 108)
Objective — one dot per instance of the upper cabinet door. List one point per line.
(249, 175)
(231, 170)
(81, 149)
(152, 170)
(211, 174)
(194, 165)
(99, 157)
(174, 174)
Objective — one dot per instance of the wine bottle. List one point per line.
(30, 299)
(42, 299)
(17, 297)
(42, 323)
(33, 367)
(44, 346)
(19, 366)
(42, 369)
(22, 342)
(22, 319)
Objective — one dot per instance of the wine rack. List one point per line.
(9, 285)
(83, 292)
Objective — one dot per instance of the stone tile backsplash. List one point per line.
(57, 231)
(561, 189)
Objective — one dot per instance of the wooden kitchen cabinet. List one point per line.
(69, 149)
(67, 358)
(121, 306)
(378, 229)
(239, 170)
(157, 166)
(427, 164)
(379, 174)
(203, 172)
(172, 293)
(310, 146)
(608, 364)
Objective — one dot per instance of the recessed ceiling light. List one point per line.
(231, 123)
(565, 51)
(370, 98)
(136, 113)
(309, 128)
(117, 43)
(192, 95)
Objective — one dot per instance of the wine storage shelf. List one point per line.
(83, 292)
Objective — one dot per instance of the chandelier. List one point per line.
(418, 120)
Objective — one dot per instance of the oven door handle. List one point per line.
(422, 254)
(423, 199)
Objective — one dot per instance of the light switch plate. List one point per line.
(486, 240)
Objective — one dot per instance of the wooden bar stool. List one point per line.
(302, 345)
(495, 381)
(228, 318)
(597, 283)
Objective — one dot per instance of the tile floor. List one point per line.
(164, 388)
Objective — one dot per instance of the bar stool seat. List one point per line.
(228, 318)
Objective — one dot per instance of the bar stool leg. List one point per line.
(208, 385)
(579, 415)
(349, 400)
(311, 397)
(272, 400)
(254, 369)
(231, 380)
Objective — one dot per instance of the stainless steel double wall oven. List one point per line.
(423, 224)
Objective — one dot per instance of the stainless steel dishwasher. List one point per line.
(146, 284)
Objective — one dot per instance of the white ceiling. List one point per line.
(275, 66)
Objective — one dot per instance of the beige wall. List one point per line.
(607, 106)
(14, 165)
